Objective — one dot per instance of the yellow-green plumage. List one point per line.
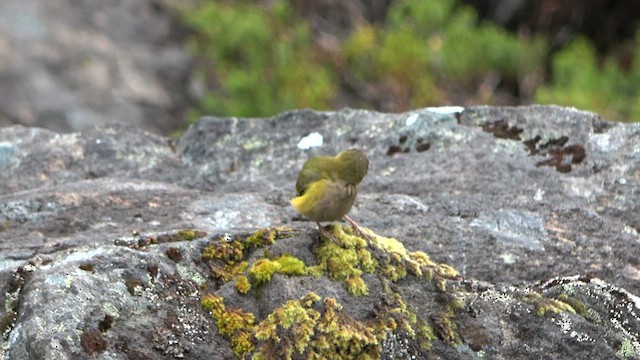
(327, 186)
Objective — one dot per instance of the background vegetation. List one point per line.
(257, 58)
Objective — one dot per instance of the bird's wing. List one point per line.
(312, 170)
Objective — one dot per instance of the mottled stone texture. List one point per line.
(527, 203)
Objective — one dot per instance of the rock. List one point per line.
(116, 243)
(67, 66)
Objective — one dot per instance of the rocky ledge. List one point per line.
(494, 233)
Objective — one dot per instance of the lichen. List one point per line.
(626, 350)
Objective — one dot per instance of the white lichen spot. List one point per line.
(508, 258)
(411, 119)
(312, 140)
(564, 321)
(190, 274)
(111, 310)
(446, 109)
(628, 229)
(493, 296)
(254, 143)
(628, 349)
(390, 170)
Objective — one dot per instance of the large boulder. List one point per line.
(67, 65)
(503, 233)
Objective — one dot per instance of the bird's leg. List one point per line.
(327, 234)
(357, 229)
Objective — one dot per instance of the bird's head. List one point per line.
(352, 165)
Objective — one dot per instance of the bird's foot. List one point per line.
(327, 235)
(357, 229)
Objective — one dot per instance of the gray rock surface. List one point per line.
(68, 65)
(527, 204)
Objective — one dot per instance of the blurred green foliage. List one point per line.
(258, 59)
(261, 57)
(579, 81)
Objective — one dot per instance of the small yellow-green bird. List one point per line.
(327, 187)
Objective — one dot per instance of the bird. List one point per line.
(327, 187)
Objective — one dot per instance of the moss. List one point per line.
(234, 323)
(446, 327)
(398, 317)
(425, 334)
(290, 265)
(316, 329)
(544, 304)
(188, 235)
(577, 305)
(356, 285)
(242, 284)
(304, 327)
(261, 238)
(267, 236)
(262, 270)
(225, 258)
(346, 260)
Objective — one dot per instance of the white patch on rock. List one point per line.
(312, 140)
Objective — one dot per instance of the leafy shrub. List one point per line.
(579, 81)
(260, 61)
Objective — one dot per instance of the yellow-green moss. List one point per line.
(311, 329)
(232, 323)
(425, 334)
(398, 316)
(188, 235)
(446, 326)
(290, 265)
(346, 260)
(544, 304)
(304, 328)
(577, 305)
(263, 269)
(226, 257)
(267, 236)
(242, 284)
